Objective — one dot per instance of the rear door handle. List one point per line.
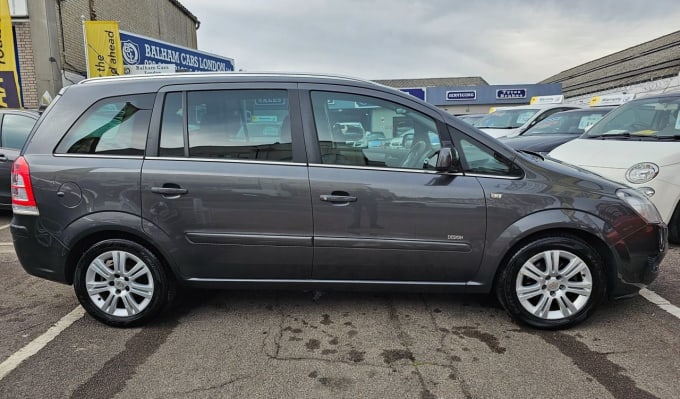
(336, 199)
(169, 191)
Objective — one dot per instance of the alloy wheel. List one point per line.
(554, 284)
(119, 283)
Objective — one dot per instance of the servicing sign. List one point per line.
(460, 95)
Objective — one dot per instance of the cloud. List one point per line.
(502, 41)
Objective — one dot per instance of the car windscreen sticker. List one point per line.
(677, 122)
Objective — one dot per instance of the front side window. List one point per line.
(15, 130)
(359, 130)
(228, 124)
(482, 160)
(113, 126)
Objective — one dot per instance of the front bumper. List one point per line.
(639, 257)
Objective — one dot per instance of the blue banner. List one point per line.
(141, 50)
(511, 93)
(418, 92)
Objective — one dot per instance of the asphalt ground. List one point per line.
(292, 344)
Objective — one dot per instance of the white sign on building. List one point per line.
(18, 8)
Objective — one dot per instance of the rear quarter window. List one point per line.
(112, 126)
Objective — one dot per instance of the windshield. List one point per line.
(570, 122)
(507, 118)
(471, 119)
(650, 119)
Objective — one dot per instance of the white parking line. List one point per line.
(34, 346)
(659, 301)
(4, 227)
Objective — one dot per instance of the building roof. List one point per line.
(187, 12)
(433, 82)
(655, 59)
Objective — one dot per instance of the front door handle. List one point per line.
(337, 199)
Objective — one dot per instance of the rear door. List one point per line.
(381, 211)
(227, 186)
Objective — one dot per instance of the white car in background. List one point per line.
(513, 121)
(638, 144)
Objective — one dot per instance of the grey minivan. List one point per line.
(130, 186)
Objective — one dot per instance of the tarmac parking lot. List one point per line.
(292, 344)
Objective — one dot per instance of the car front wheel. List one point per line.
(121, 283)
(552, 282)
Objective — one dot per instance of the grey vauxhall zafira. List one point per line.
(130, 186)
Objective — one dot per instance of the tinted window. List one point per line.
(172, 127)
(113, 126)
(230, 124)
(366, 131)
(15, 130)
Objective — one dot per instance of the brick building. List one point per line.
(49, 36)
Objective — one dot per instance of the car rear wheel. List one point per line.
(552, 282)
(121, 283)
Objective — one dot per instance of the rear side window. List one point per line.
(15, 130)
(112, 126)
(227, 124)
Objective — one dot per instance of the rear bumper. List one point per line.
(39, 253)
(639, 257)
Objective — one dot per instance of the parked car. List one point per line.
(514, 121)
(124, 192)
(556, 130)
(15, 125)
(637, 144)
(471, 119)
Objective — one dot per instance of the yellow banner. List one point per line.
(10, 92)
(103, 49)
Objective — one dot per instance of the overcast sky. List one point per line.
(503, 41)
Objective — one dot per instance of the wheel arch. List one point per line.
(99, 227)
(585, 226)
(604, 251)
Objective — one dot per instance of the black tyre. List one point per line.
(674, 227)
(553, 282)
(121, 283)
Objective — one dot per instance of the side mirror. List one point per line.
(445, 161)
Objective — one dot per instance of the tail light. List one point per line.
(23, 200)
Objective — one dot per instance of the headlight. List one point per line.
(642, 172)
(642, 205)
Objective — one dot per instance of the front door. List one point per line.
(381, 211)
(227, 188)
